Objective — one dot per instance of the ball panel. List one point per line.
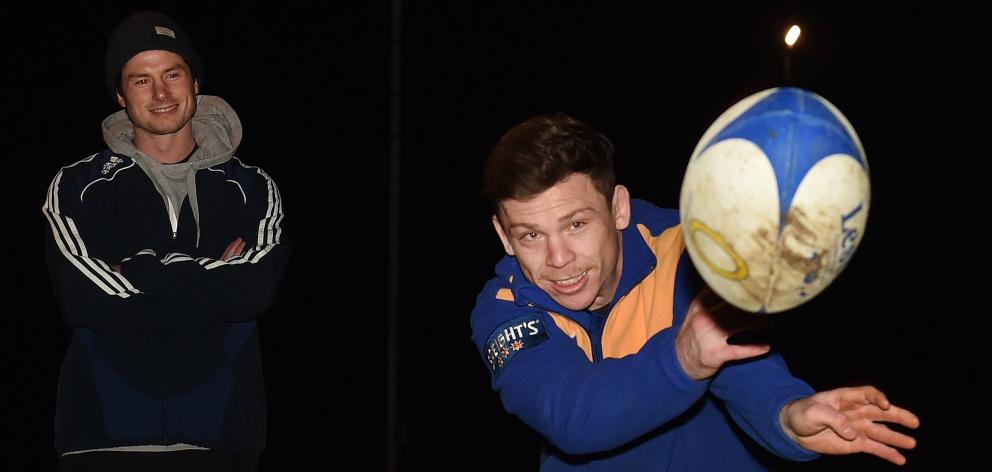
(725, 118)
(823, 226)
(734, 255)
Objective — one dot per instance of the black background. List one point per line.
(311, 83)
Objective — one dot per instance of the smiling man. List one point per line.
(163, 250)
(580, 270)
(158, 91)
(598, 333)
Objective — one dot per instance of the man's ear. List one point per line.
(196, 86)
(120, 100)
(621, 207)
(502, 236)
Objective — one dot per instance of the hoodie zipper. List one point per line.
(173, 218)
(596, 336)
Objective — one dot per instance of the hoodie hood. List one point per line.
(217, 132)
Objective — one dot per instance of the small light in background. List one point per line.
(792, 36)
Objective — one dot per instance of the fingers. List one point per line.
(898, 415)
(745, 351)
(229, 251)
(885, 452)
(884, 435)
(865, 395)
(882, 409)
(874, 396)
(233, 249)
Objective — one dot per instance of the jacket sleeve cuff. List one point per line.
(138, 269)
(673, 369)
(781, 442)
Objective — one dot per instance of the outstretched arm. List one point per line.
(848, 421)
(585, 407)
(755, 387)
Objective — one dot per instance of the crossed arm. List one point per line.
(144, 291)
(234, 249)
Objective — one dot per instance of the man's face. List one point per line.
(567, 240)
(159, 93)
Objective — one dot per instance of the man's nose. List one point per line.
(159, 89)
(560, 253)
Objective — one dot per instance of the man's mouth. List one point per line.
(570, 285)
(570, 281)
(165, 109)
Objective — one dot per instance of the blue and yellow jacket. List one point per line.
(608, 393)
(165, 352)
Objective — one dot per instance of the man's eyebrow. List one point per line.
(137, 74)
(147, 74)
(576, 212)
(524, 225)
(563, 218)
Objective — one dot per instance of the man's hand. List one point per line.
(843, 421)
(233, 250)
(701, 344)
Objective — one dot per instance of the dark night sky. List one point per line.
(311, 84)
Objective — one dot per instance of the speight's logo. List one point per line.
(512, 337)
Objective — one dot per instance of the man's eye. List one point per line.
(529, 236)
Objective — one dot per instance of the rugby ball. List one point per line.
(775, 199)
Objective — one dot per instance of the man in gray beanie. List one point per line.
(163, 250)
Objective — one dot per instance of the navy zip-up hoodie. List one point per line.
(165, 352)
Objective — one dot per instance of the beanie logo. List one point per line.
(163, 31)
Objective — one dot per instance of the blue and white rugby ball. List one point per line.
(775, 199)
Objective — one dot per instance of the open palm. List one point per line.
(849, 420)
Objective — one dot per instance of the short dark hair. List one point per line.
(541, 152)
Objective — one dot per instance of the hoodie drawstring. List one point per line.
(193, 203)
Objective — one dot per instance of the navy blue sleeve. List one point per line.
(77, 248)
(238, 289)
